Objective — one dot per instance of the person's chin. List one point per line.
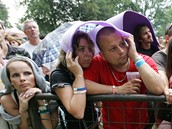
(151, 40)
(124, 58)
(84, 66)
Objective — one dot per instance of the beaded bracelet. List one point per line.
(113, 89)
(79, 89)
(139, 63)
(43, 109)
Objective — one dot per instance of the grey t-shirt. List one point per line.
(160, 58)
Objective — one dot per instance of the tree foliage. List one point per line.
(4, 14)
(157, 11)
(51, 13)
(45, 12)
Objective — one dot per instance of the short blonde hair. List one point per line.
(27, 21)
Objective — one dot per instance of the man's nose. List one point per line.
(120, 49)
(150, 34)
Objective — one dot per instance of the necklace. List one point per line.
(124, 76)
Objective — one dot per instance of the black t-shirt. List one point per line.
(148, 52)
(61, 76)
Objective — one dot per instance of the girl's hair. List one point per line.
(76, 39)
(169, 60)
(10, 39)
(75, 44)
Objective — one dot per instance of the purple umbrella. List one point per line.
(95, 26)
(128, 20)
(46, 54)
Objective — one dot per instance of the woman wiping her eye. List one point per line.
(67, 82)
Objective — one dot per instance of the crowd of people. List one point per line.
(82, 71)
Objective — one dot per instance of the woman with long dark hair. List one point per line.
(68, 84)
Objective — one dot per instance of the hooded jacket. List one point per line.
(40, 80)
(14, 121)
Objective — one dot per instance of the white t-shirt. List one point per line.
(28, 47)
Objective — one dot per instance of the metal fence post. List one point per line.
(34, 115)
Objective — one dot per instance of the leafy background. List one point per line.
(50, 14)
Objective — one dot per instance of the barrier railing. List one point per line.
(36, 121)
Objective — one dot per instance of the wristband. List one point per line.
(138, 58)
(113, 89)
(80, 92)
(79, 89)
(139, 63)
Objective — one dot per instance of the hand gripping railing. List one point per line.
(33, 107)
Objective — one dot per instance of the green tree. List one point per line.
(93, 10)
(51, 13)
(162, 18)
(4, 14)
(157, 11)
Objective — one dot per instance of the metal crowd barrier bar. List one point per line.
(33, 107)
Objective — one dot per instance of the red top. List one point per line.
(115, 112)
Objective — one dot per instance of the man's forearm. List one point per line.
(152, 80)
(95, 88)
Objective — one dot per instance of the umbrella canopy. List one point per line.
(47, 52)
(90, 27)
(128, 20)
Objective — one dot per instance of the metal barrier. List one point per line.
(33, 107)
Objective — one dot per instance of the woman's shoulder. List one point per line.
(61, 75)
(6, 98)
(8, 102)
(59, 72)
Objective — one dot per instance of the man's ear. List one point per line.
(102, 55)
(167, 38)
